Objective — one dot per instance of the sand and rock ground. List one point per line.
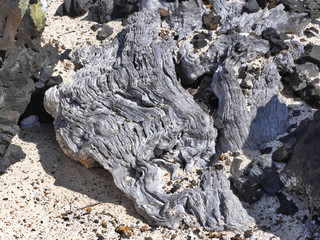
(46, 195)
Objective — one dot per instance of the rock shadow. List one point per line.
(270, 122)
(96, 183)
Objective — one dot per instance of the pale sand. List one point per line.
(46, 195)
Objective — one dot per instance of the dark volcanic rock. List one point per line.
(303, 169)
(251, 6)
(95, 27)
(311, 32)
(105, 32)
(266, 150)
(294, 5)
(73, 8)
(263, 171)
(210, 21)
(287, 207)
(275, 41)
(311, 94)
(131, 115)
(283, 153)
(313, 53)
(262, 3)
(302, 75)
(199, 41)
(103, 11)
(65, 55)
(247, 192)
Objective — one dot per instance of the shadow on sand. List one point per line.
(96, 182)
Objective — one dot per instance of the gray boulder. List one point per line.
(20, 28)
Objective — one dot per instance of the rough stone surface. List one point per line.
(311, 94)
(302, 171)
(313, 53)
(73, 8)
(15, 84)
(126, 111)
(287, 207)
(19, 43)
(251, 6)
(302, 75)
(283, 153)
(263, 171)
(248, 192)
(105, 32)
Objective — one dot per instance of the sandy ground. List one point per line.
(46, 195)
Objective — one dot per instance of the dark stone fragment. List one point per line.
(65, 55)
(236, 237)
(218, 166)
(210, 21)
(235, 154)
(313, 53)
(103, 11)
(313, 7)
(310, 32)
(247, 192)
(316, 218)
(292, 126)
(266, 150)
(277, 47)
(48, 56)
(311, 94)
(274, 39)
(296, 113)
(251, 6)
(304, 165)
(61, 11)
(298, 133)
(302, 75)
(196, 232)
(284, 153)
(263, 171)
(101, 238)
(248, 234)
(294, 5)
(199, 41)
(286, 207)
(175, 188)
(73, 8)
(262, 3)
(105, 32)
(95, 27)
